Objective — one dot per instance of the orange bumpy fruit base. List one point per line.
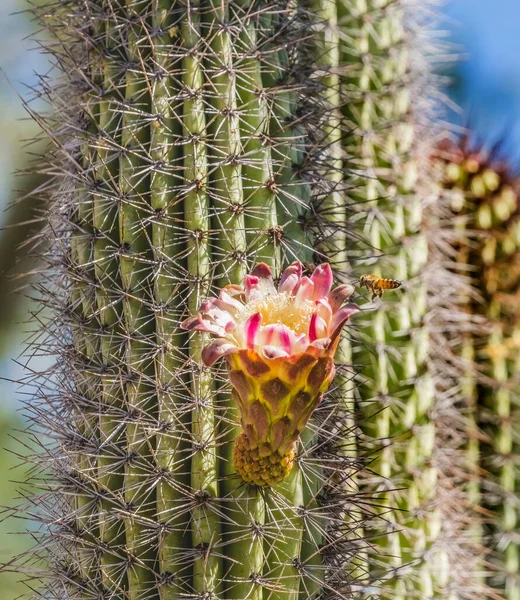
(256, 467)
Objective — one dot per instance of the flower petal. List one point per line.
(338, 296)
(215, 350)
(190, 323)
(273, 352)
(265, 279)
(317, 328)
(290, 277)
(262, 271)
(304, 291)
(279, 335)
(226, 302)
(251, 285)
(321, 343)
(230, 327)
(218, 316)
(340, 318)
(300, 344)
(322, 280)
(251, 328)
(323, 309)
(198, 323)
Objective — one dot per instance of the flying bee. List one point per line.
(377, 285)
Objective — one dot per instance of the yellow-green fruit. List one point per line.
(258, 468)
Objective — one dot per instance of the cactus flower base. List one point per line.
(261, 465)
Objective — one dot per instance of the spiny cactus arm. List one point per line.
(484, 205)
(283, 540)
(503, 444)
(86, 339)
(282, 81)
(376, 86)
(84, 304)
(332, 207)
(206, 532)
(257, 170)
(134, 266)
(226, 188)
(172, 449)
(498, 215)
(313, 571)
(469, 381)
(242, 540)
(112, 432)
(331, 234)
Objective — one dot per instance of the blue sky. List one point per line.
(487, 33)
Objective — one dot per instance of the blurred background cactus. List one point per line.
(483, 190)
(192, 141)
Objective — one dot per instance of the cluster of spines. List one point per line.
(188, 149)
(483, 193)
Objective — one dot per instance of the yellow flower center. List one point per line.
(280, 308)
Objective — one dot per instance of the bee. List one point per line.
(377, 285)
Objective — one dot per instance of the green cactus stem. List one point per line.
(396, 395)
(106, 242)
(168, 246)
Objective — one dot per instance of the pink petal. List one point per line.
(226, 302)
(234, 290)
(304, 292)
(290, 277)
(206, 305)
(300, 344)
(317, 328)
(279, 335)
(251, 284)
(251, 328)
(198, 323)
(322, 279)
(215, 350)
(321, 344)
(209, 327)
(340, 318)
(289, 284)
(265, 279)
(262, 271)
(338, 295)
(217, 315)
(231, 326)
(273, 352)
(324, 310)
(190, 323)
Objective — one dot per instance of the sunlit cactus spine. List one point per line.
(484, 192)
(187, 165)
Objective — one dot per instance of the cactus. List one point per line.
(484, 195)
(185, 153)
(382, 77)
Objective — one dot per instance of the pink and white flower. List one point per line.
(279, 345)
(303, 313)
